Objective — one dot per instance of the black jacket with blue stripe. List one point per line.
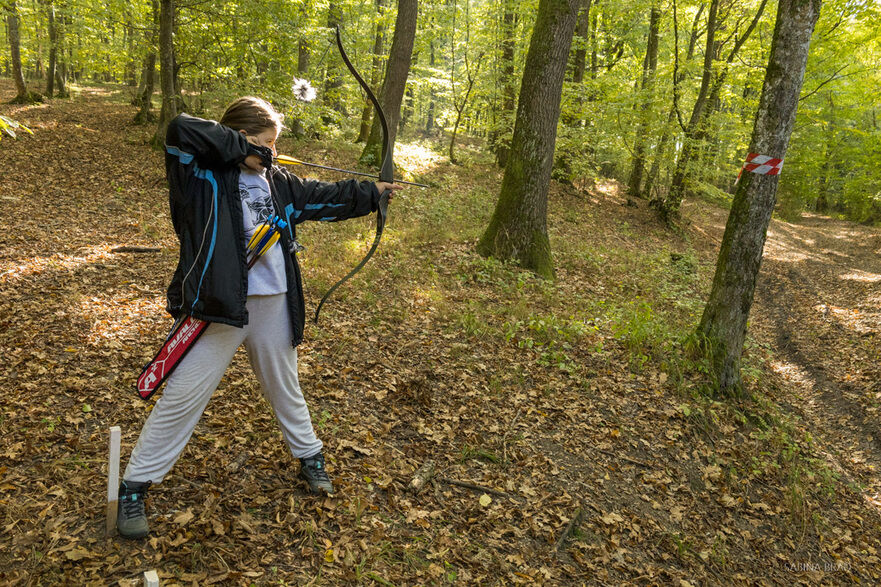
(202, 166)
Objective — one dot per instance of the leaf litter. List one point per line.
(556, 462)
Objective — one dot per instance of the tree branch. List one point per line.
(831, 78)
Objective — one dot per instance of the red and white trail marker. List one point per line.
(761, 165)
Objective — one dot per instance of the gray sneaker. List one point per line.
(131, 519)
(312, 471)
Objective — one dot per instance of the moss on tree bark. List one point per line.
(724, 322)
(518, 228)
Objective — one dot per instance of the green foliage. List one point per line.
(235, 47)
(834, 162)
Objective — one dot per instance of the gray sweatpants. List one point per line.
(267, 338)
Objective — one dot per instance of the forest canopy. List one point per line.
(469, 55)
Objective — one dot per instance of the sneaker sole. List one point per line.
(137, 536)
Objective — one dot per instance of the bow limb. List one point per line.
(386, 173)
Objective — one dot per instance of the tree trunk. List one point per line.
(148, 76)
(302, 56)
(131, 64)
(376, 68)
(408, 107)
(500, 142)
(53, 50)
(392, 93)
(429, 117)
(724, 321)
(678, 76)
(707, 148)
(648, 80)
(23, 95)
(61, 20)
(333, 81)
(460, 108)
(582, 29)
(296, 125)
(592, 42)
(170, 99)
(669, 207)
(518, 228)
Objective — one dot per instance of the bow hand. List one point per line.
(384, 186)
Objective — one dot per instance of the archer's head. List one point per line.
(256, 119)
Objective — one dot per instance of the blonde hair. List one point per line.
(252, 115)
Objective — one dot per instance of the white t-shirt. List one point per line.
(267, 276)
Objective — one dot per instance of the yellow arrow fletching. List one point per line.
(288, 160)
(272, 240)
(258, 234)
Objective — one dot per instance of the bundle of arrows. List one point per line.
(186, 330)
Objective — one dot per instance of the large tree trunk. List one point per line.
(392, 93)
(650, 64)
(375, 69)
(23, 95)
(170, 99)
(669, 207)
(518, 228)
(724, 321)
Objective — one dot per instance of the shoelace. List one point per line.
(132, 504)
(316, 469)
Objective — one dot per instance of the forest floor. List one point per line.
(570, 425)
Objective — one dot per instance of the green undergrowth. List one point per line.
(626, 293)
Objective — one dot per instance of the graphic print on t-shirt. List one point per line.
(267, 276)
(259, 205)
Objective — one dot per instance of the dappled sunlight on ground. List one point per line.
(416, 159)
(607, 188)
(789, 371)
(863, 322)
(788, 254)
(785, 244)
(818, 307)
(861, 276)
(24, 109)
(13, 270)
(99, 91)
(113, 318)
(361, 244)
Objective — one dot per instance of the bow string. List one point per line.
(386, 173)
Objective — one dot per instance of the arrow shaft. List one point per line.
(291, 161)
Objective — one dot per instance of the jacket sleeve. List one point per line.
(210, 143)
(328, 201)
